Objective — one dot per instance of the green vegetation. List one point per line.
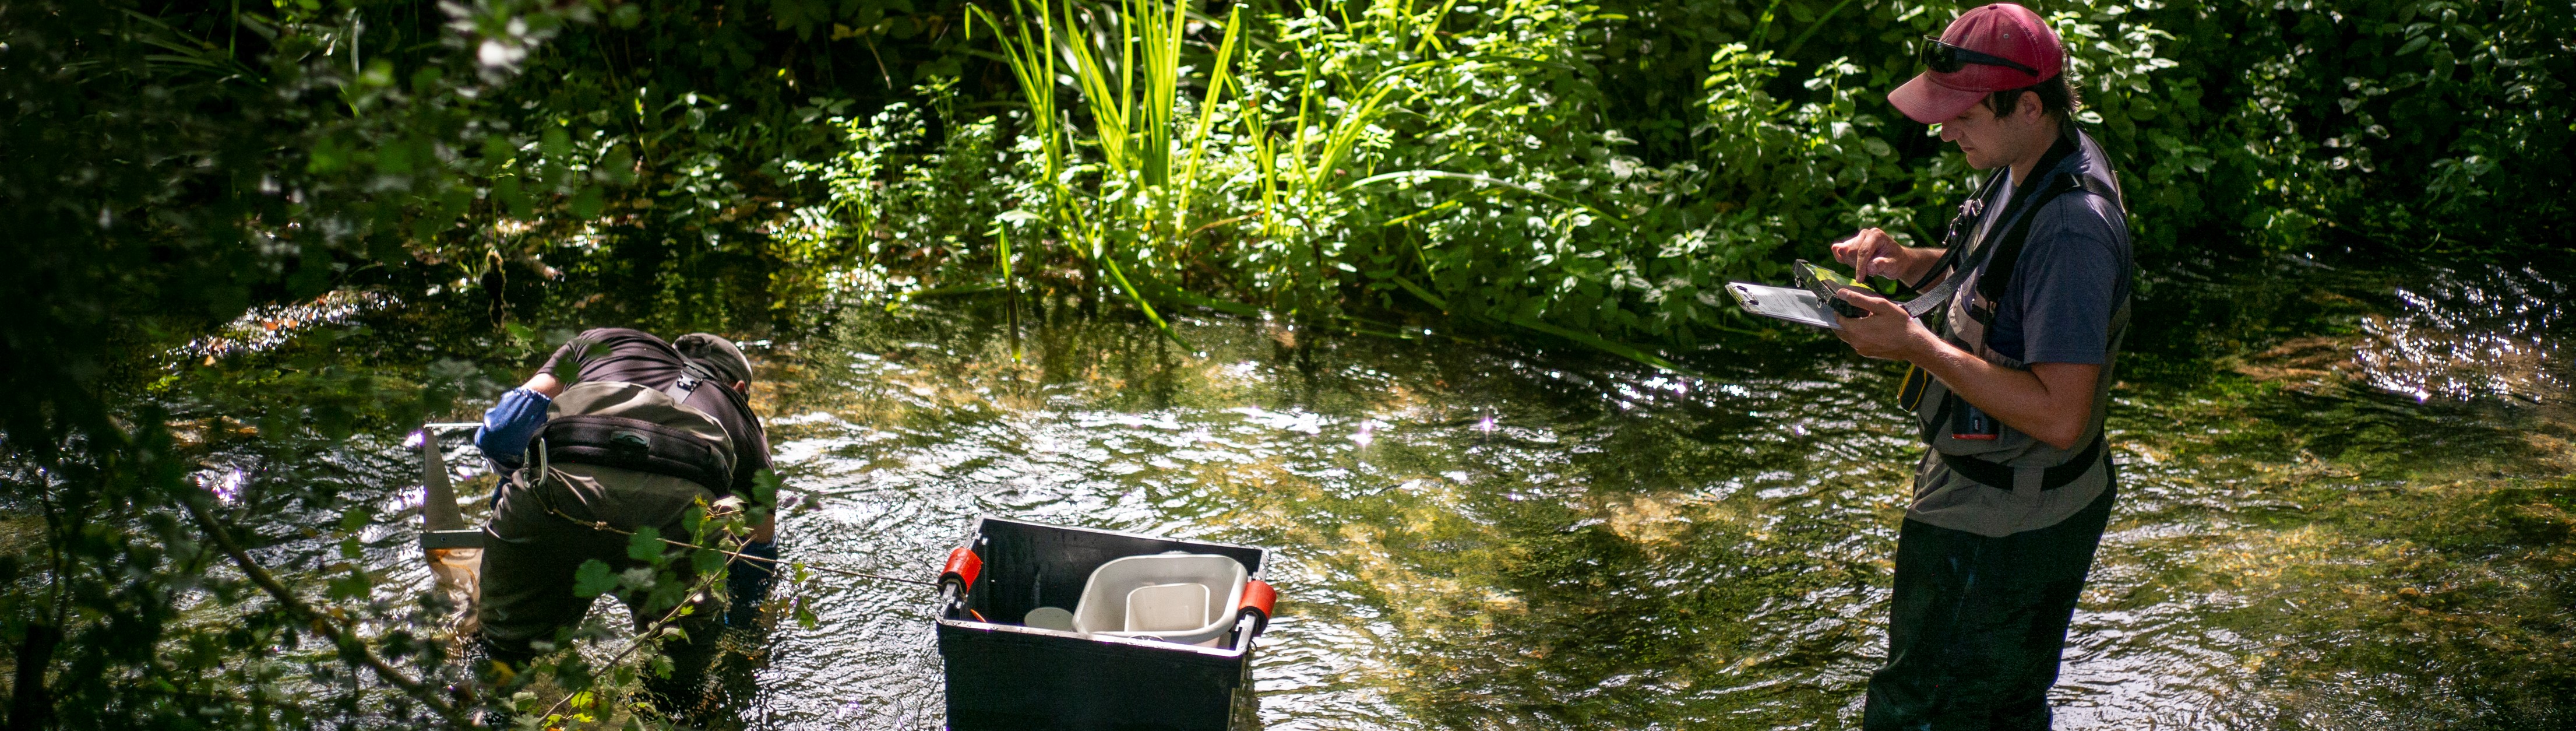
(483, 174)
(1395, 155)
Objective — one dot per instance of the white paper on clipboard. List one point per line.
(1786, 303)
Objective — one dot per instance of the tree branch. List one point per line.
(33, 707)
(350, 647)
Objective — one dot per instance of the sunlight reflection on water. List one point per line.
(2466, 335)
(1472, 538)
(1405, 486)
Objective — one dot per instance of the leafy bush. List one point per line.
(1471, 155)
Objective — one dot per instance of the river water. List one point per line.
(1489, 536)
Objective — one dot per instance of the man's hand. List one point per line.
(1887, 332)
(1873, 252)
(2052, 402)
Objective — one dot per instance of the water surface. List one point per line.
(2346, 507)
(1474, 536)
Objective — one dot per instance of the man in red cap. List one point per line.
(2021, 316)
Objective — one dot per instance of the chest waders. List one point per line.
(615, 458)
(629, 428)
(1963, 309)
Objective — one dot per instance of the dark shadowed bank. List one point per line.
(254, 242)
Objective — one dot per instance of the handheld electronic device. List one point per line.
(1823, 282)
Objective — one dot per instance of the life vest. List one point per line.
(1982, 262)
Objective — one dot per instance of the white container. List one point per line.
(1054, 618)
(1188, 598)
(1167, 608)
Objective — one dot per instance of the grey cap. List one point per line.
(715, 353)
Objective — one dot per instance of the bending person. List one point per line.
(633, 432)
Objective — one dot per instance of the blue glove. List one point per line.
(509, 425)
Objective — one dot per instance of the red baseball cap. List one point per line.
(2002, 30)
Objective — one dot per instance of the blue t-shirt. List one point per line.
(2067, 285)
(2074, 271)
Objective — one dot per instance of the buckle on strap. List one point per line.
(2000, 476)
(681, 389)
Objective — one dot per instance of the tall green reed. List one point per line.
(1129, 215)
(1305, 185)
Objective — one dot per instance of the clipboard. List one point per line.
(1786, 303)
(1812, 302)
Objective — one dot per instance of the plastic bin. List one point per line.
(1173, 597)
(1006, 675)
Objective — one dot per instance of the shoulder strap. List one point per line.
(689, 379)
(691, 374)
(1951, 245)
(1925, 302)
(1949, 257)
(2004, 253)
(2006, 256)
(1954, 242)
(2007, 252)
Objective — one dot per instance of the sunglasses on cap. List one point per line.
(1946, 58)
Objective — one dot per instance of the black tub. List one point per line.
(1002, 675)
